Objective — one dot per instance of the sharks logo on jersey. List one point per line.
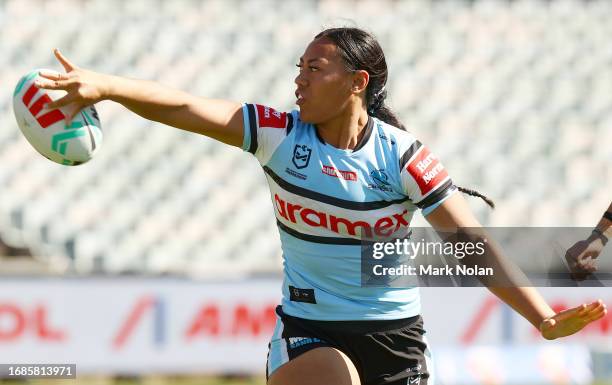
(328, 200)
(380, 179)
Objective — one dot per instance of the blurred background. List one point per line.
(159, 260)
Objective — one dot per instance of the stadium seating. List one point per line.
(514, 97)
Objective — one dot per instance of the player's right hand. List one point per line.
(84, 87)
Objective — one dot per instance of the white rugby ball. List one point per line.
(46, 130)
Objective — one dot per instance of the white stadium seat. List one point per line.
(514, 97)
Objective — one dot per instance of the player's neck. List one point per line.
(346, 130)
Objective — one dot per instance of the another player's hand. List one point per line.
(581, 257)
(84, 87)
(571, 321)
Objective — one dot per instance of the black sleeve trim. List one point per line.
(252, 128)
(289, 123)
(409, 154)
(437, 195)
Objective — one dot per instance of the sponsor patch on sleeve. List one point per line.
(427, 170)
(269, 117)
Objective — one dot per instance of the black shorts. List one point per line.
(389, 352)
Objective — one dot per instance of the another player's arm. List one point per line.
(582, 256)
(454, 213)
(218, 119)
(603, 230)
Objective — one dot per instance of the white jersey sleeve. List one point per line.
(264, 130)
(424, 179)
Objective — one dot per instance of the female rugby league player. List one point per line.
(340, 167)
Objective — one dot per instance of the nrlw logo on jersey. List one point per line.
(301, 156)
(383, 226)
(426, 170)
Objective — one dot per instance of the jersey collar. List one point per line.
(364, 139)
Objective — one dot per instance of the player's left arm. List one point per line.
(453, 214)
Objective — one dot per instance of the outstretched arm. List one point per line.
(218, 119)
(454, 213)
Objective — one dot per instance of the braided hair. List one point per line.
(360, 50)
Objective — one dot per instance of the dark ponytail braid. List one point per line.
(475, 193)
(360, 51)
(378, 109)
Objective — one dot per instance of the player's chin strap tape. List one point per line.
(608, 215)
